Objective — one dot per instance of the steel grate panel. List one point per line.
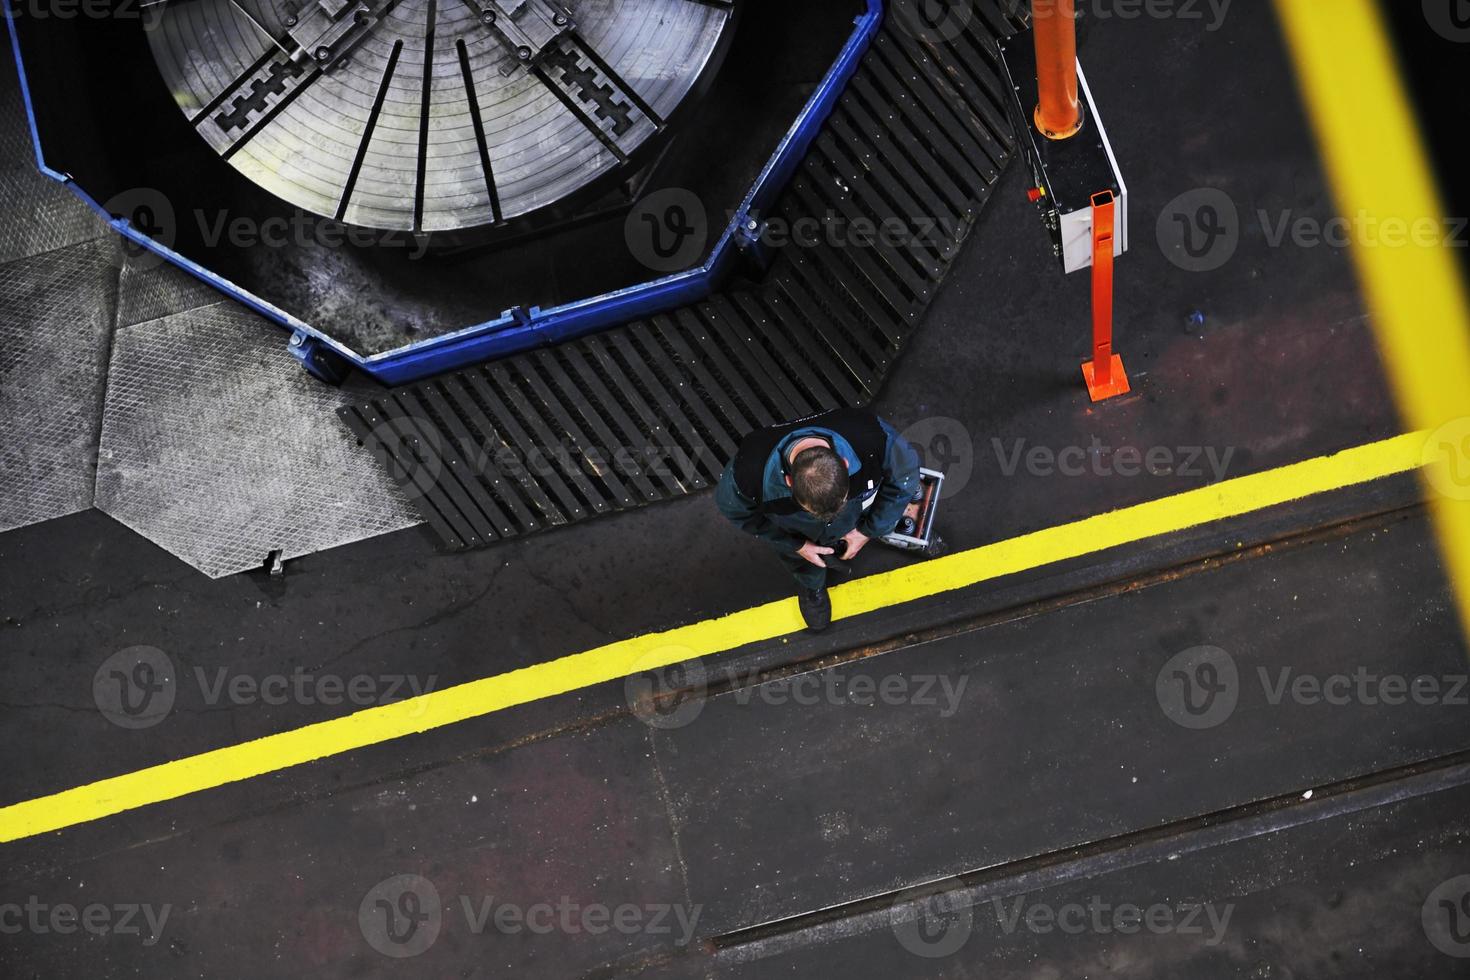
(918, 136)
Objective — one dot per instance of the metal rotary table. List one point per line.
(432, 115)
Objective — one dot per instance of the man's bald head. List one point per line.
(819, 482)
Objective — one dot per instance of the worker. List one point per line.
(818, 489)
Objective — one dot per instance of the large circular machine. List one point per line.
(433, 115)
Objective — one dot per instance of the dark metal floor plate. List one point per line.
(1355, 895)
(987, 741)
(297, 886)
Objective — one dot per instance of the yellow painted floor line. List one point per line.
(1381, 179)
(1231, 498)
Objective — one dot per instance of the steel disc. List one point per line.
(431, 115)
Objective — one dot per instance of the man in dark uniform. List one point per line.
(821, 486)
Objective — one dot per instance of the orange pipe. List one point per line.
(1059, 112)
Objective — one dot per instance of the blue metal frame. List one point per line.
(524, 328)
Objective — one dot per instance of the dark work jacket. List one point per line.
(882, 466)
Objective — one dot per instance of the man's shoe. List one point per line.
(816, 608)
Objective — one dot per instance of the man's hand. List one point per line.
(813, 553)
(855, 541)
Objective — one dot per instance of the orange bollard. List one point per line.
(1104, 374)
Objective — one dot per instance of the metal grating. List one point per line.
(654, 409)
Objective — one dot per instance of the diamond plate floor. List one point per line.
(149, 288)
(39, 214)
(213, 446)
(55, 326)
(58, 284)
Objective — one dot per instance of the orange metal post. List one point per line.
(1054, 24)
(1104, 374)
